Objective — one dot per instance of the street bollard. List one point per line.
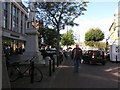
(47, 60)
(55, 58)
(53, 65)
(50, 73)
(32, 72)
(58, 61)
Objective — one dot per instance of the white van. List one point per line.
(114, 53)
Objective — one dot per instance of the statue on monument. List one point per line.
(32, 12)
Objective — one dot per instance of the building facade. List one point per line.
(14, 22)
(115, 36)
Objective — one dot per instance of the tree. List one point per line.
(102, 44)
(49, 35)
(93, 36)
(67, 38)
(59, 14)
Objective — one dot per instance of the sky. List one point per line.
(99, 14)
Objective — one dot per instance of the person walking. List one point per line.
(76, 57)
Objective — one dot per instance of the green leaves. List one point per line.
(56, 13)
(59, 14)
(93, 36)
(49, 35)
(67, 38)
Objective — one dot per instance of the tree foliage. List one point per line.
(93, 36)
(68, 38)
(49, 35)
(59, 14)
(102, 44)
(89, 43)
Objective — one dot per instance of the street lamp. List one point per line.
(67, 37)
(107, 41)
(106, 48)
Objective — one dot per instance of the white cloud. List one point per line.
(85, 24)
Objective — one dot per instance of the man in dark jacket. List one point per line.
(76, 56)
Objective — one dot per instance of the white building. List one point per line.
(115, 36)
(14, 17)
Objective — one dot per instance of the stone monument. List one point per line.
(31, 47)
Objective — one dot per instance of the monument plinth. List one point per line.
(31, 41)
(31, 46)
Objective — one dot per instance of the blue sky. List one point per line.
(100, 9)
(99, 14)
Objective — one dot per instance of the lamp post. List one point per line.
(107, 40)
(106, 47)
(67, 37)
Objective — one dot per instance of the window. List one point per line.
(116, 49)
(25, 25)
(11, 15)
(4, 21)
(14, 11)
(5, 15)
(118, 33)
(13, 25)
(21, 26)
(5, 5)
(14, 18)
(17, 19)
(21, 23)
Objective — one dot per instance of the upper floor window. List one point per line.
(4, 15)
(14, 11)
(4, 21)
(118, 33)
(13, 25)
(14, 16)
(5, 5)
(21, 23)
(25, 22)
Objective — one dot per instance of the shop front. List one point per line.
(16, 46)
